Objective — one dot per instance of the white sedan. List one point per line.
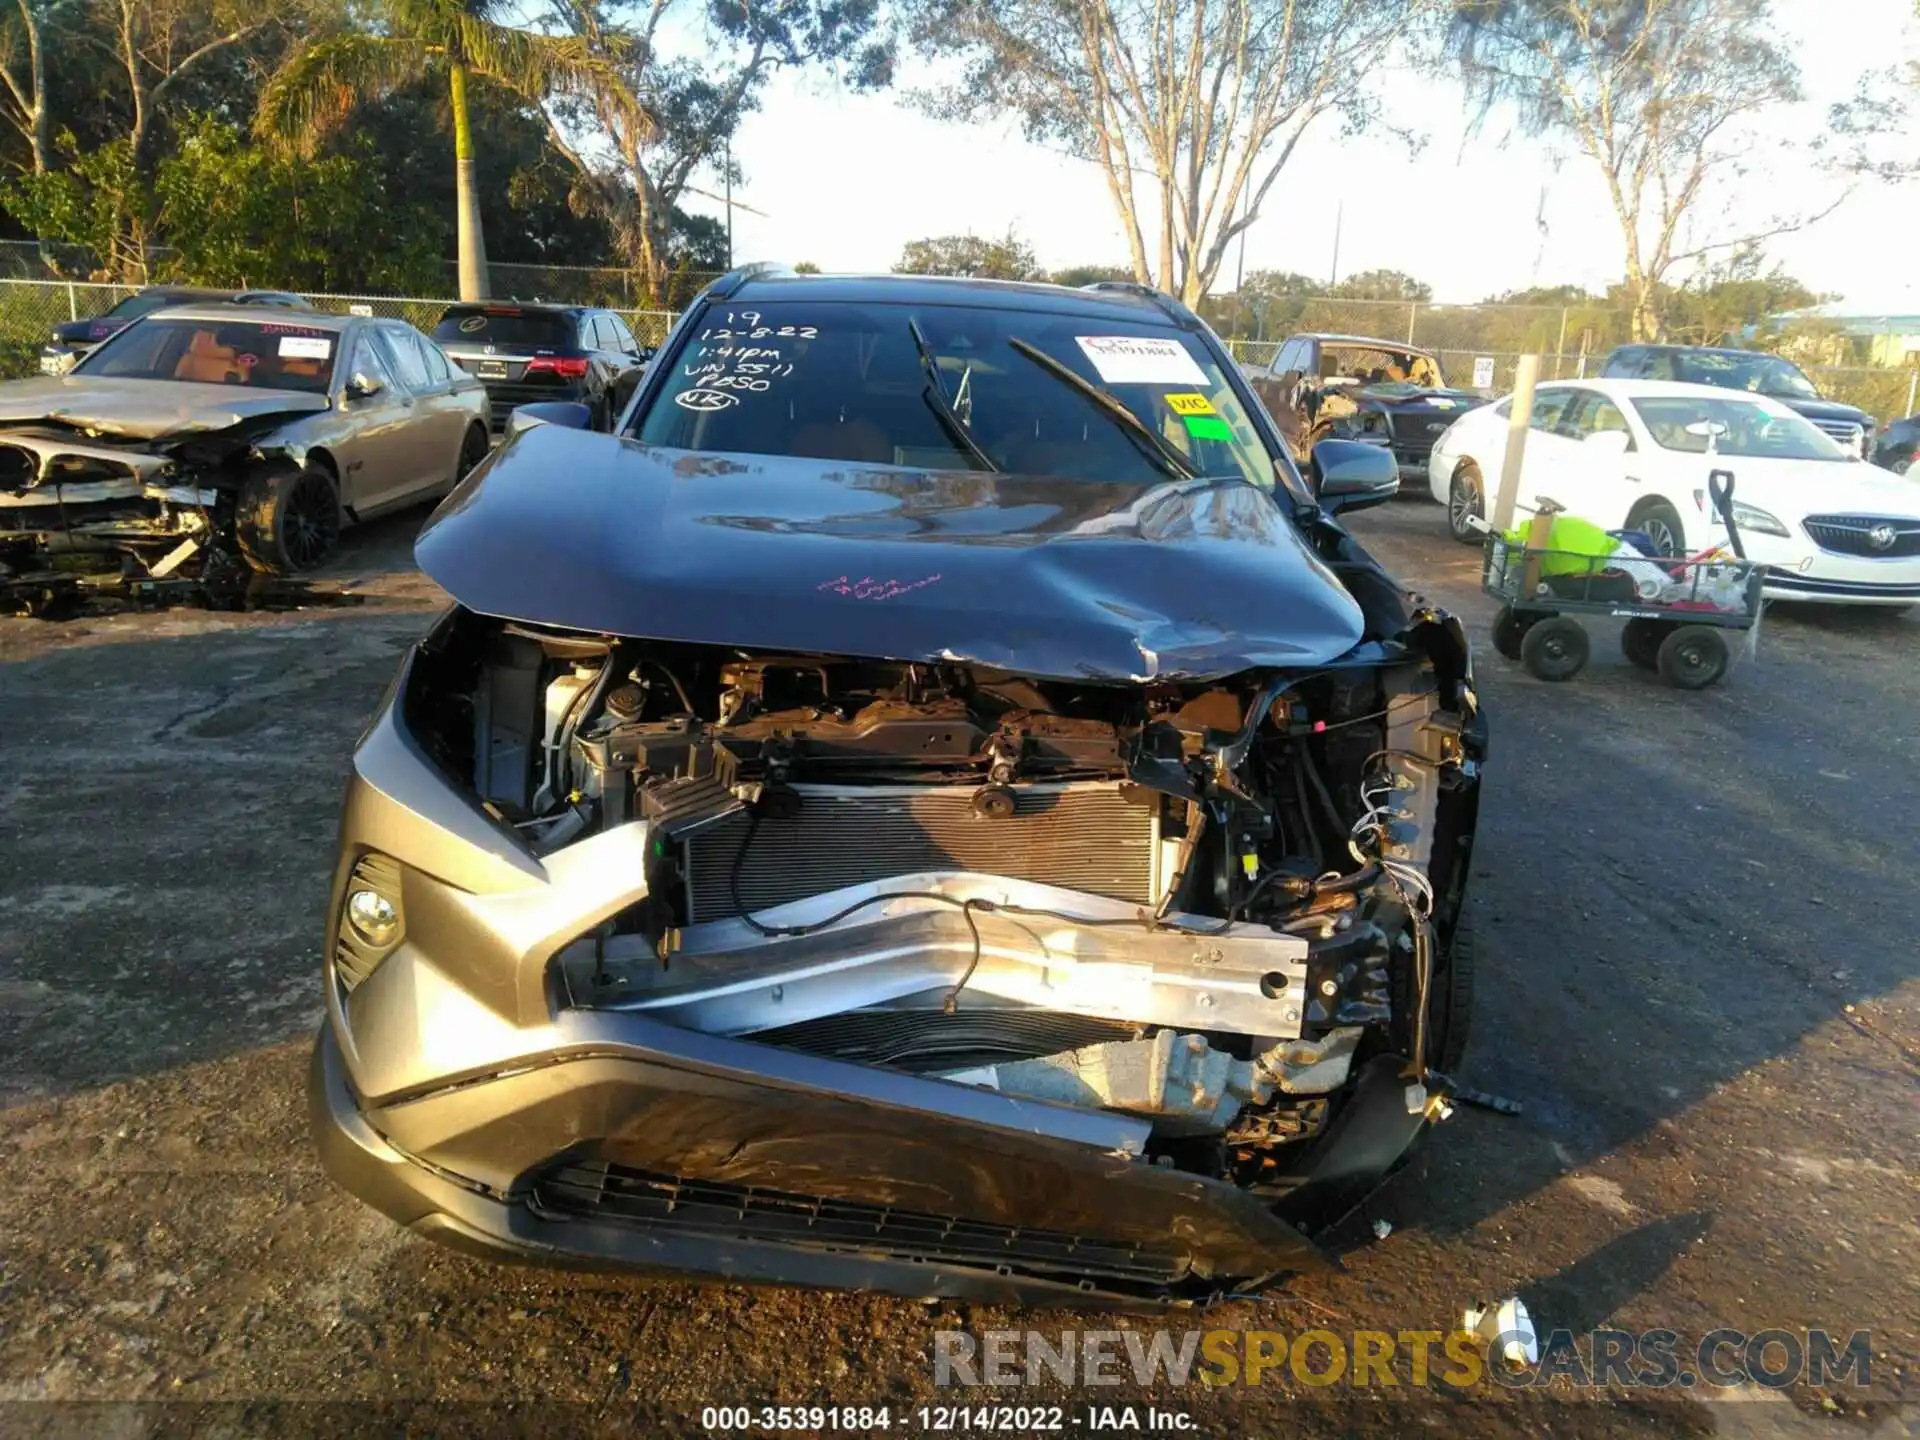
(1633, 455)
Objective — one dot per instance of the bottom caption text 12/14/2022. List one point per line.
(943, 1419)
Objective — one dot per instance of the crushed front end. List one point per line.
(922, 977)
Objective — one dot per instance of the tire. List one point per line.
(474, 446)
(1693, 657)
(1640, 641)
(1661, 523)
(1554, 648)
(1464, 499)
(1509, 630)
(1450, 1006)
(288, 518)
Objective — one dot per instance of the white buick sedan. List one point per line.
(1633, 454)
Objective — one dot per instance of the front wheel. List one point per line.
(1465, 503)
(288, 519)
(473, 449)
(1693, 657)
(1554, 648)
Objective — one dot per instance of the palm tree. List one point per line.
(318, 86)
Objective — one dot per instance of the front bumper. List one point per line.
(746, 1180)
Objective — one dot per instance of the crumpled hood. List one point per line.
(1048, 577)
(147, 409)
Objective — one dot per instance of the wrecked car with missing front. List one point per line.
(199, 446)
(936, 804)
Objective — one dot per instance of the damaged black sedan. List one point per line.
(936, 803)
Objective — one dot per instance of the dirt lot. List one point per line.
(1697, 950)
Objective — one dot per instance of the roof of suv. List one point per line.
(523, 307)
(1113, 301)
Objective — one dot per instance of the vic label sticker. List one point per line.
(304, 347)
(1140, 360)
(1186, 404)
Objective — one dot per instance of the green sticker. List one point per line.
(1208, 427)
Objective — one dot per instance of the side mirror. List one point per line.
(568, 413)
(362, 386)
(1608, 442)
(1352, 476)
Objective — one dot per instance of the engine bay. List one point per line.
(1208, 904)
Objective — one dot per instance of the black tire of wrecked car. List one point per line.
(1450, 1002)
(288, 517)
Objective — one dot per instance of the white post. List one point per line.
(1913, 382)
(1413, 313)
(73, 306)
(1526, 375)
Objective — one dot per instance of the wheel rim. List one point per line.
(309, 522)
(1460, 505)
(1693, 657)
(1555, 650)
(1661, 534)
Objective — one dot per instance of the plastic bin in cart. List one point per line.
(1678, 610)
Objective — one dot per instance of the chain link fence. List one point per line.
(29, 309)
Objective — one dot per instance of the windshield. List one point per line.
(1756, 374)
(837, 380)
(1401, 372)
(267, 356)
(506, 325)
(1758, 432)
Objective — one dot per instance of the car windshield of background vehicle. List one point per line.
(1757, 374)
(507, 327)
(1385, 372)
(134, 306)
(1753, 431)
(265, 356)
(843, 381)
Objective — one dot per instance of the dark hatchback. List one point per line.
(1754, 371)
(937, 803)
(526, 354)
(76, 338)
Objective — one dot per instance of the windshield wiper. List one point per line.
(943, 411)
(1155, 446)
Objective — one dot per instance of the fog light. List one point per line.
(374, 917)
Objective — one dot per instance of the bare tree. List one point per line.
(1191, 108)
(638, 142)
(25, 33)
(1660, 95)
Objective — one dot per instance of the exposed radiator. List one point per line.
(1080, 836)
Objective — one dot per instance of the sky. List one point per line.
(845, 181)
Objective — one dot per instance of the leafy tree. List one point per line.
(1076, 276)
(97, 201)
(1659, 95)
(806, 267)
(1198, 102)
(1544, 295)
(663, 120)
(1381, 285)
(1008, 258)
(238, 215)
(1268, 303)
(456, 40)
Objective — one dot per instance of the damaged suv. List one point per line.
(936, 803)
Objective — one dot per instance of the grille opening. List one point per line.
(1093, 837)
(599, 1190)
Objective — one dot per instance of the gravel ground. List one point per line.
(1696, 950)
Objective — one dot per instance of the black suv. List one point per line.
(1750, 370)
(75, 338)
(528, 353)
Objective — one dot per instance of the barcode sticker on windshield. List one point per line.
(304, 347)
(1140, 360)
